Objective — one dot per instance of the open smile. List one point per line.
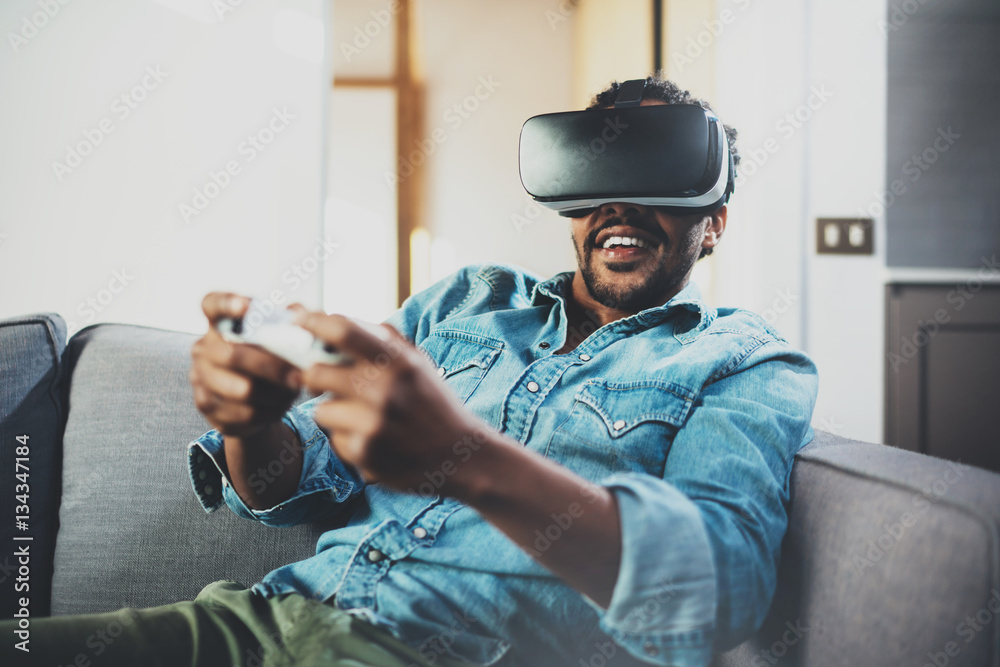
(623, 253)
(624, 243)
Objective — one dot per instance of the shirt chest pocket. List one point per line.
(462, 359)
(620, 427)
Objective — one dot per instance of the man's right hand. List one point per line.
(240, 389)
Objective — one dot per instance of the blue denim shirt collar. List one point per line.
(689, 298)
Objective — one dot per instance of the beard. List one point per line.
(632, 296)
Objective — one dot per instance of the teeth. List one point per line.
(625, 241)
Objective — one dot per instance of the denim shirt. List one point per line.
(689, 415)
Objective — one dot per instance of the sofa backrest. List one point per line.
(130, 530)
(891, 558)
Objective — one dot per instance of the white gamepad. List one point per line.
(276, 333)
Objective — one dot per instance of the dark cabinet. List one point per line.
(943, 370)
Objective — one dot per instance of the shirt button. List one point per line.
(650, 649)
(619, 425)
(441, 371)
(584, 357)
(420, 533)
(209, 489)
(375, 555)
(543, 345)
(532, 387)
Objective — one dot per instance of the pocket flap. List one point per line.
(456, 351)
(623, 406)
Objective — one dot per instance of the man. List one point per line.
(590, 469)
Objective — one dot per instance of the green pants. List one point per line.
(226, 624)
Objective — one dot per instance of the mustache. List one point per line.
(650, 227)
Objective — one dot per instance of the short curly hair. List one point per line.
(664, 90)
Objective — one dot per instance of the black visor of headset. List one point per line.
(674, 156)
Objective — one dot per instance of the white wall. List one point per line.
(107, 241)
(846, 166)
(612, 40)
(517, 56)
(360, 212)
(823, 63)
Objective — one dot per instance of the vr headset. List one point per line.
(675, 156)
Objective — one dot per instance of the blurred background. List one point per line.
(345, 154)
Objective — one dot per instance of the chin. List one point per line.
(622, 267)
(631, 296)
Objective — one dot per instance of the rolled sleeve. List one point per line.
(664, 602)
(324, 485)
(700, 547)
(752, 422)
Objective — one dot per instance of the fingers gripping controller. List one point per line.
(277, 333)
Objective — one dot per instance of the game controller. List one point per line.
(273, 329)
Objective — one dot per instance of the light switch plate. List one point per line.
(845, 236)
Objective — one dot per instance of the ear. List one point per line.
(715, 228)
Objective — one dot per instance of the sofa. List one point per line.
(891, 557)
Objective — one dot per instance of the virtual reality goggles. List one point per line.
(675, 156)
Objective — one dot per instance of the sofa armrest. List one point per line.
(31, 416)
(888, 555)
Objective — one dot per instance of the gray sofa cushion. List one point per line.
(131, 532)
(31, 405)
(892, 558)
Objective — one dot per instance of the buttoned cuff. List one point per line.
(663, 606)
(325, 480)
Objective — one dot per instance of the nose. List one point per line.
(622, 209)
